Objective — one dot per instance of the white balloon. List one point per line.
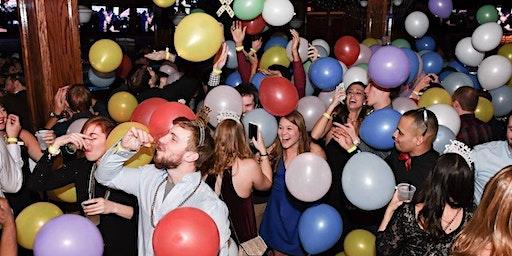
(343, 66)
(321, 51)
(494, 72)
(404, 104)
(277, 12)
(355, 74)
(303, 49)
(327, 97)
(311, 108)
(467, 54)
(416, 24)
(323, 43)
(487, 36)
(308, 177)
(220, 99)
(364, 55)
(447, 116)
(84, 14)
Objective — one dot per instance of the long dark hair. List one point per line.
(451, 182)
(341, 111)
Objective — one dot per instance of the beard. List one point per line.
(167, 163)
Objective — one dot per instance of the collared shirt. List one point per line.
(489, 158)
(144, 181)
(11, 163)
(421, 167)
(473, 131)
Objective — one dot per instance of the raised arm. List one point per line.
(324, 124)
(299, 75)
(238, 34)
(11, 176)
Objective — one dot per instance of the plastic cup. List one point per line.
(39, 135)
(405, 192)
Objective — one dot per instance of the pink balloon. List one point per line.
(364, 55)
(308, 177)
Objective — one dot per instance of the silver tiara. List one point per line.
(228, 114)
(460, 148)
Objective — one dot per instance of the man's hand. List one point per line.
(238, 33)
(13, 126)
(136, 138)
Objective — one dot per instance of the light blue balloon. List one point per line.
(425, 43)
(266, 123)
(232, 61)
(444, 135)
(100, 81)
(377, 128)
(501, 100)
(414, 64)
(256, 80)
(320, 227)
(444, 74)
(326, 73)
(455, 80)
(234, 79)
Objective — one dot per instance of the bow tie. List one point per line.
(407, 158)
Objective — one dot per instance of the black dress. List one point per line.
(119, 234)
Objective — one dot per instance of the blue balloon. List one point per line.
(425, 43)
(256, 79)
(414, 64)
(444, 74)
(432, 62)
(100, 81)
(457, 65)
(377, 128)
(476, 83)
(320, 227)
(234, 79)
(276, 41)
(444, 135)
(326, 73)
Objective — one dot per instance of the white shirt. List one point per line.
(11, 163)
(143, 183)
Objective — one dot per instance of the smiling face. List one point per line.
(3, 117)
(288, 133)
(96, 146)
(172, 147)
(355, 97)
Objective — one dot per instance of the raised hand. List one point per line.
(76, 139)
(136, 138)
(59, 100)
(312, 52)
(259, 144)
(256, 44)
(238, 33)
(221, 61)
(252, 57)
(13, 126)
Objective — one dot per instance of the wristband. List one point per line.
(357, 142)
(416, 93)
(352, 149)
(217, 71)
(239, 48)
(252, 50)
(11, 140)
(53, 150)
(327, 116)
(167, 55)
(263, 154)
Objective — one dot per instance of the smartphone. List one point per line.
(253, 131)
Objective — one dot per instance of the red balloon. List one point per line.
(254, 26)
(164, 115)
(186, 231)
(143, 112)
(347, 50)
(278, 96)
(124, 69)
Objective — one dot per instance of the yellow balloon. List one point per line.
(360, 242)
(506, 51)
(274, 55)
(31, 219)
(198, 37)
(484, 110)
(145, 154)
(164, 3)
(105, 55)
(65, 194)
(370, 41)
(121, 106)
(435, 96)
(340, 254)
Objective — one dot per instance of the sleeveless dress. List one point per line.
(279, 228)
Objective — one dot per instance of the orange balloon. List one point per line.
(145, 154)
(121, 106)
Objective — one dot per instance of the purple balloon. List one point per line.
(389, 67)
(440, 8)
(68, 234)
(374, 48)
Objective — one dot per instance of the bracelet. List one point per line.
(239, 48)
(53, 150)
(11, 140)
(263, 154)
(327, 116)
(352, 149)
(217, 71)
(167, 55)
(252, 50)
(416, 93)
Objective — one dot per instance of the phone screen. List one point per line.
(253, 131)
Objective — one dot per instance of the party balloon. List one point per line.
(306, 66)
(444, 74)
(196, 10)
(164, 3)
(476, 83)
(467, 54)
(222, 99)
(506, 51)
(501, 100)
(275, 41)
(278, 96)
(198, 37)
(303, 49)
(364, 54)
(277, 12)
(425, 43)
(343, 66)
(309, 177)
(143, 156)
(257, 78)
(403, 104)
(494, 71)
(76, 126)
(363, 66)
(374, 48)
(443, 137)
(487, 36)
(377, 128)
(323, 43)
(355, 74)
(327, 97)
(255, 26)
(484, 110)
(401, 43)
(389, 67)
(414, 64)
(455, 80)
(274, 55)
(247, 9)
(487, 13)
(446, 116)
(359, 242)
(186, 231)
(416, 24)
(440, 8)
(121, 106)
(65, 194)
(340, 254)
(320, 227)
(367, 181)
(326, 73)
(231, 61)
(267, 124)
(347, 49)
(370, 42)
(143, 112)
(163, 116)
(105, 55)
(234, 79)
(99, 81)
(310, 90)
(458, 66)
(31, 219)
(434, 96)
(432, 62)
(124, 69)
(321, 51)
(69, 234)
(311, 108)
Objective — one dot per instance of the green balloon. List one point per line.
(306, 66)
(197, 10)
(401, 43)
(363, 65)
(248, 9)
(487, 13)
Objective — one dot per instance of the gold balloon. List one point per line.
(370, 41)
(145, 154)
(121, 106)
(484, 110)
(434, 96)
(164, 3)
(31, 219)
(105, 55)
(506, 51)
(340, 254)
(359, 242)
(198, 37)
(65, 194)
(274, 55)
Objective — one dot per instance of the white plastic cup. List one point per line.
(405, 192)
(39, 135)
